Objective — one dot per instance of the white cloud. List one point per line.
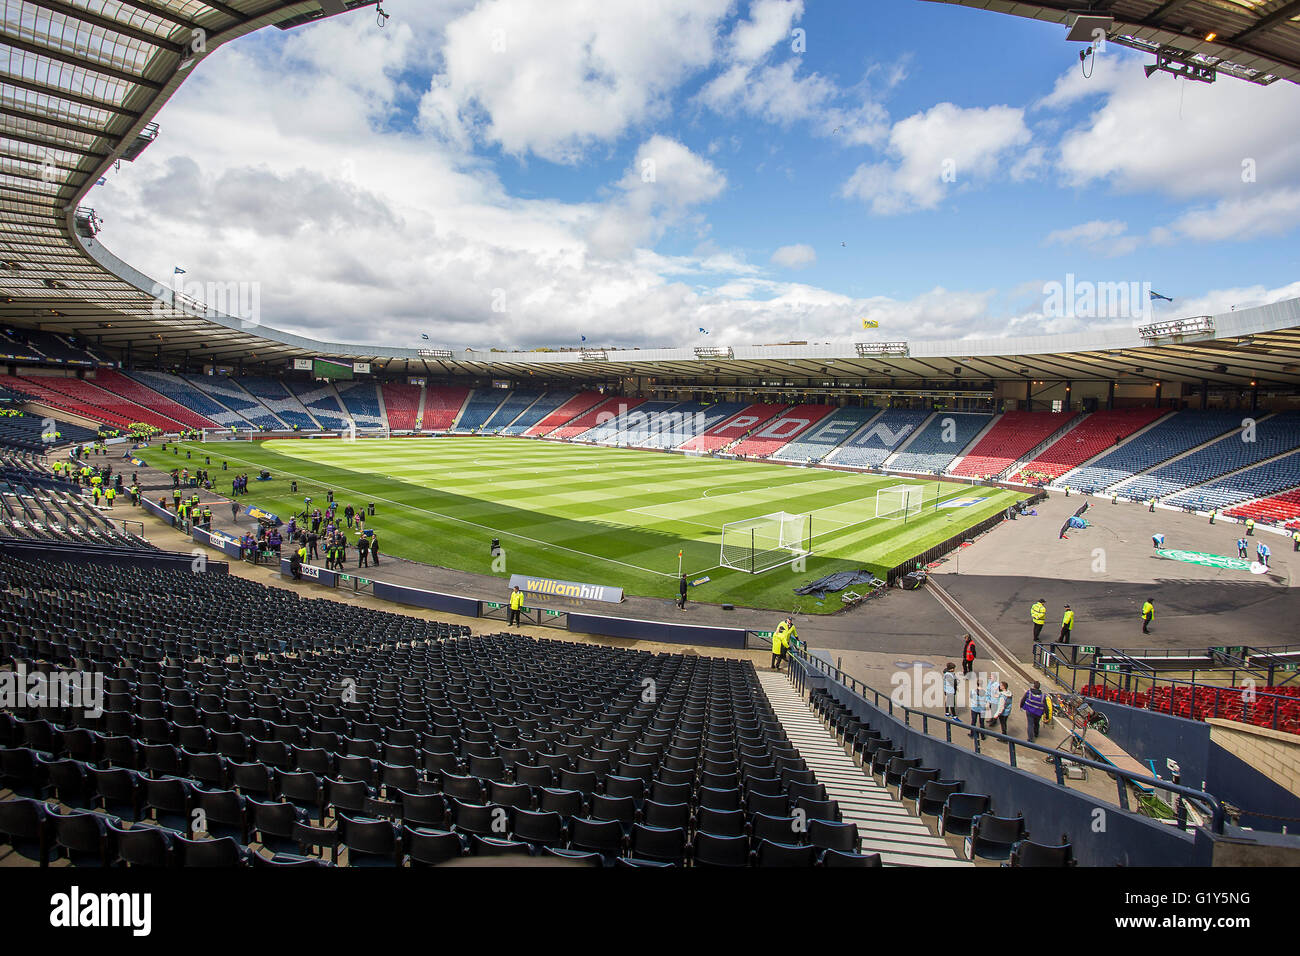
(946, 145)
(779, 92)
(794, 257)
(1266, 213)
(1187, 140)
(1107, 237)
(555, 78)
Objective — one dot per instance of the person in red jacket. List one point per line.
(968, 656)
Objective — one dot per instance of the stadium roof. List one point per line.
(1255, 40)
(80, 81)
(80, 86)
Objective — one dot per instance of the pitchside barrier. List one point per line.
(662, 632)
(935, 552)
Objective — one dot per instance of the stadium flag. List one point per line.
(584, 338)
(1156, 295)
(870, 324)
(178, 271)
(424, 336)
(705, 331)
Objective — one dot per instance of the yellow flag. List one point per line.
(870, 324)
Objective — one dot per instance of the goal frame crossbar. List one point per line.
(755, 545)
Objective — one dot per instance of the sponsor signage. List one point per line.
(259, 515)
(1206, 560)
(302, 365)
(568, 589)
(361, 368)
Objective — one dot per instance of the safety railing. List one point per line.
(1125, 675)
(801, 668)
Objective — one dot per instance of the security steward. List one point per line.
(1038, 614)
(516, 607)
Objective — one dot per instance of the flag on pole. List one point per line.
(705, 331)
(870, 324)
(424, 336)
(1157, 295)
(178, 271)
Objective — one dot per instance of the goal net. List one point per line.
(760, 544)
(900, 501)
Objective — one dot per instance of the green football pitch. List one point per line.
(608, 516)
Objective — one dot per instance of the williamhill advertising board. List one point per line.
(567, 589)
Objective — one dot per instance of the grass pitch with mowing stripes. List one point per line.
(607, 516)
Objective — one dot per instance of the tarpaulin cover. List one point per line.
(835, 582)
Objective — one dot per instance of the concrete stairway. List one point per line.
(884, 825)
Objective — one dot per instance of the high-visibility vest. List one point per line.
(516, 600)
(778, 638)
(1068, 619)
(1038, 613)
(1148, 610)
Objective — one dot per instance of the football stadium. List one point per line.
(457, 435)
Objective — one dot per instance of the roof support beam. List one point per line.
(108, 23)
(80, 63)
(58, 94)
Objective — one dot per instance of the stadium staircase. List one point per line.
(884, 825)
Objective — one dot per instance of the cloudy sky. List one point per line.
(518, 174)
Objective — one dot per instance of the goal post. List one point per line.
(759, 544)
(900, 502)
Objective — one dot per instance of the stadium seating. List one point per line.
(1275, 707)
(402, 403)
(875, 442)
(687, 421)
(636, 421)
(1283, 509)
(818, 442)
(781, 430)
(35, 345)
(128, 388)
(535, 412)
(277, 398)
(442, 404)
(1166, 439)
(23, 432)
(1260, 481)
(571, 409)
(928, 451)
(34, 504)
(610, 407)
(1090, 437)
(86, 399)
(1012, 436)
(228, 696)
(734, 428)
(482, 404)
(362, 402)
(229, 393)
(516, 403)
(1272, 436)
(184, 393)
(320, 400)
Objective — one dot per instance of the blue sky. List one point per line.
(477, 171)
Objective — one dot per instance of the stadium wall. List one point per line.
(1152, 738)
(1050, 811)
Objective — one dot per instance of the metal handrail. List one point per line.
(1122, 777)
(1058, 661)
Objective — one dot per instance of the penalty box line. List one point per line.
(472, 524)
